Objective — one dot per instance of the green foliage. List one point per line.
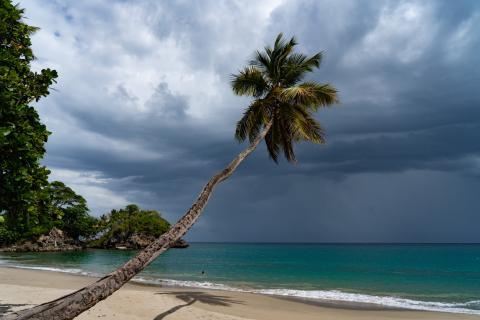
(22, 135)
(7, 236)
(63, 208)
(273, 79)
(36, 231)
(119, 225)
(58, 206)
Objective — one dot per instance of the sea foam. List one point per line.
(470, 307)
(387, 301)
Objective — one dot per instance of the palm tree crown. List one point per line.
(274, 78)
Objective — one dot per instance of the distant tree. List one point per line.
(58, 206)
(22, 135)
(63, 208)
(281, 113)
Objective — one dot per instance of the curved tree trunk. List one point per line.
(71, 305)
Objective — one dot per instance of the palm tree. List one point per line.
(281, 113)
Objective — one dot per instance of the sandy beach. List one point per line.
(21, 288)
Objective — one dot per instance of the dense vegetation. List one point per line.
(23, 180)
(57, 206)
(66, 210)
(22, 135)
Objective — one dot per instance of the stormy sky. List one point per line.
(143, 113)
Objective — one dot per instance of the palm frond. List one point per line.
(297, 65)
(314, 61)
(272, 143)
(261, 60)
(287, 136)
(306, 127)
(283, 49)
(310, 94)
(249, 81)
(271, 59)
(325, 93)
(252, 121)
(279, 42)
(295, 59)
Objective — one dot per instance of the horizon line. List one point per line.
(339, 243)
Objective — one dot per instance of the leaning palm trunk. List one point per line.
(69, 306)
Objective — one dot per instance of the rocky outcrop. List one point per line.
(180, 244)
(134, 241)
(140, 240)
(55, 240)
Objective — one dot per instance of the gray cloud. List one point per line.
(143, 113)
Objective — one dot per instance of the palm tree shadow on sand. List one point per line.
(190, 297)
(6, 308)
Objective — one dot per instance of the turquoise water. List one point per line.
(427, 277)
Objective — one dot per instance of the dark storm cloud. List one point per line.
(143, 113)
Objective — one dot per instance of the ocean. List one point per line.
(438, 277)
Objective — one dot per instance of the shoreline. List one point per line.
(329, 298)
(23, 287)
(315, 302)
